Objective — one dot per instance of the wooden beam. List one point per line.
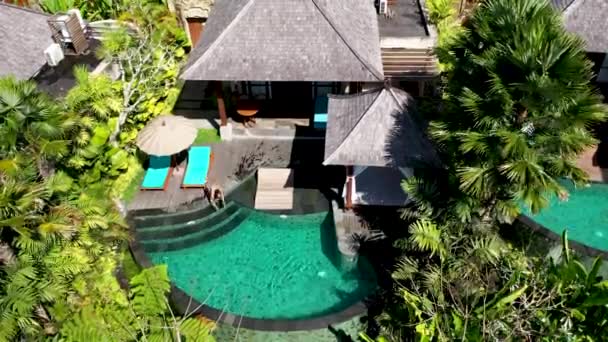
(221, 106)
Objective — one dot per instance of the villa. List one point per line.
(302, 52)
(314, 101)
(32, 49)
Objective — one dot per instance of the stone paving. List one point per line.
(234, 160)
(351, 328)
(594, 163)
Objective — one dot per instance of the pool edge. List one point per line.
(183, 302)
(548, 233)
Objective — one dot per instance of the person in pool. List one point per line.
(215, 196)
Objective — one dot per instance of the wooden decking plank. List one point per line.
(275, 189)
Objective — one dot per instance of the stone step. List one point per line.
(199, 237)
(186, 228)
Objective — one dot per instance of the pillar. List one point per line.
(221, 105)
(348, 202)
(420, 88)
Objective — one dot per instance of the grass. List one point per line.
(207, 136)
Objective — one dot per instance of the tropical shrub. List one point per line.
(61, 236)
(56, 240)
(30, 121)
(149, 61)
(515, 112)
(440, 9)
(517, 108)
(144, 315)
(90, 9)
(57, 6)
(475, 287)
(112, 112)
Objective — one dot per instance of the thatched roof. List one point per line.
(588, 19)
(288, 40)
(24, 35)
(375, 128)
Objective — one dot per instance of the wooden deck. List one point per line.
(275, 189)
(234, 160)
(167, 199)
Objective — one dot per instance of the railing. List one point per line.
(97, 29)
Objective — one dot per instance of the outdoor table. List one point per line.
(247, 109)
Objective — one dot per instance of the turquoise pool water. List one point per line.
(584, 214)
(272, 267)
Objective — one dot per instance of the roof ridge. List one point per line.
(570, 5)
(372, 70)
(222, 35)
(27, 9)
(391, 91)
(563, 7)
(356, 124)
(347, 96)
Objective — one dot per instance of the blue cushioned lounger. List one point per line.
(199, 163)
(157, 174)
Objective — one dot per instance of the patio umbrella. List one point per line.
(166, 135)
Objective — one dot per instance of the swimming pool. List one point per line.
(271, 267)
(584, 215)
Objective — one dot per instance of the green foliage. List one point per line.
(90, 9)
(517, 106)
(60, 233)
(57, 6)
(207, 136)
(149, 290)
(112, 112)
(512, 119)
(145, 316)
(128, 183)
(128, 264)
(28, 119)
(440, 9)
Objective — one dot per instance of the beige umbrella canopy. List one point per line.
(166, 135)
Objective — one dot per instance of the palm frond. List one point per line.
(426, 236)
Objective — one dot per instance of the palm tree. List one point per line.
(518, 107)
(30, 121)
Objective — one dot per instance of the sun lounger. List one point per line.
(197, 170)
(157, 174)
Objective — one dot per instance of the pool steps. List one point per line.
(206, 234)
(152, 221)
(185, 228)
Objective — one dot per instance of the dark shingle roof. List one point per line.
(561, 4)
(24, 35)
(288, 40)
(375, 128)
(588, 19)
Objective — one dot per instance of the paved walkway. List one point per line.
(349, 328)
